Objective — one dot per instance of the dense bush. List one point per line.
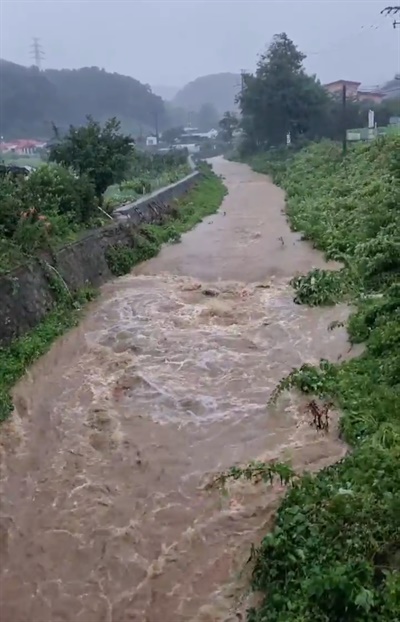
(55, 190)
(334, 553)
(100, 152)
(42, 210)
(54, 203)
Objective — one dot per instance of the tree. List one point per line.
(280, 97)
(228, 124)
(100, 152)
(207, 117)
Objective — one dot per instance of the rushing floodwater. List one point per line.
(104, 516)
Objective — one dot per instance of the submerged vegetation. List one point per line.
(334, 553)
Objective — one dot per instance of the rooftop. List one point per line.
(343, 82)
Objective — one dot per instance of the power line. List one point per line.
(346, 38)
(392, 10)
(37, 52)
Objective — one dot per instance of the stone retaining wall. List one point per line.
(26, 295)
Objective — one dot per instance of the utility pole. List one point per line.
(37, 52)
(241, 86)
(344, 119)
(392, 10)
(156, 124)
(242, 83)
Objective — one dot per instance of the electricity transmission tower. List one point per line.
(37, 52)
(392, 10)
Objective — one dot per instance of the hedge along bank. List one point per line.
(44, 298)
(334, 554)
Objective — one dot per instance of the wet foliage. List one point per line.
(56, 203)
(15, 359)
(334, 553)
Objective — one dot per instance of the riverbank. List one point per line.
(334, 551)
(65, 308)
(120, 426)
(50, 208)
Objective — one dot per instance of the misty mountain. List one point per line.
(218, 89)
(31, 100)
(166, 92)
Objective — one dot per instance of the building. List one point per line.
(375, 97)
(151, 141)
(336, 88)
(353, 91)
(21, 147)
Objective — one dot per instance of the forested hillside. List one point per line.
(31, 100)
(218, 89)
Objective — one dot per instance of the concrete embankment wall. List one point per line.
(26, 293)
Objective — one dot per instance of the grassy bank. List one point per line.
(132, 190)
(16, 359)
(204, 199)
(334, 554)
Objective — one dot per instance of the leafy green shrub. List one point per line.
(15, 359)
(11, 206)
(139, 186)
(319, 287)
(43, 210)
(121, 259)
(334, 554)
(54, 189)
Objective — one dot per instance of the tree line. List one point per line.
(32, 100)
(281, 99)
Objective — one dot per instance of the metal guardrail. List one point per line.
(365, 133)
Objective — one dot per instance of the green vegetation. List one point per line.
(203, 200)
(15, 360)
(33, 160)
(42, 211)
(101, 153)
(280, 98)
(31, 100)
(334, 553)
(228, 124)
(147, 173)
(59, 201)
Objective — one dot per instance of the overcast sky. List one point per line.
(170, 42)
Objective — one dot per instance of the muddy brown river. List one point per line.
(117, 430)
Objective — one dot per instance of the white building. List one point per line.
(151, 141)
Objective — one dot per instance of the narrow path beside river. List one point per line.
(104, 517)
